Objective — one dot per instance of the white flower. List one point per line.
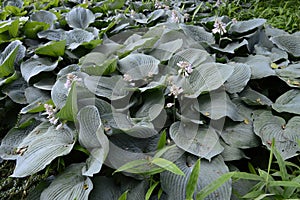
(174, 90)
(51, 114)
(70, 79)
(174, 17)
(220, 27)
(185, 68)
(127, 77)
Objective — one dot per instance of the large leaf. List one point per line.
(165, 51)
(175, 185)
(98, 64)
(43, 16)
(231, 47)
(41, 146)
(110, 87)
(139, 66)
(70, 109)
(200, 141)
(269, 127)
(290, 74)
(77, 37)
(109, 188)
(80, 17)
(16, 91)
(246, 26)
(206, 77)
(34, 66)
(198, 34)
(69, 185)
(252, 97)
(11, 141)
(260, 66)
(55, 34)
(92, 137)
(11, 56)
(53, 48)
(288, 102)
(239, 78)
(216, 105)
(289, 43)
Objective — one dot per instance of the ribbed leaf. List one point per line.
(53, 48)
(34, 66)
(198, 33)
(290, 74)
(9, 57)
(231, 47)
(110, 87)
(135, 42)
(245, 26)
(251, 97)
(289, 43)
(165, 51)
(288, 102)
(193, 56)
(139, 66)
(206, 77)
(200, 141)
(43, 16)
(92, 137)
(239, 78)
(80, 17)
(54, 35)
(216, 105)
(260, 66)
(175, 185)
(77, 37)
(69, 185)
(98, 64)
(41, 146)
(268, 126)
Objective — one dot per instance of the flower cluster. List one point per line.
(175, 90)
(159, 5)
(174, 17)
(50, 111)
(70, 79)
(185, 68)
(219, 27)
(128, 78)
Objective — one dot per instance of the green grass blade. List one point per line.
(167, 165)
(192, 182)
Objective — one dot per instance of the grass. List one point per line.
(279, 13)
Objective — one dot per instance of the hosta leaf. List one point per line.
(216, 105)
(251, 97)
(260, 66)
(54, 35)
(269, 127)
(136, 44)
(11, 55)
(110, 87)
(206, 77)
(53, 48)
(239, 78)
(175, 185)
(77, 37)
(34, 66)
(109, 188)
(32, 28)
(292, 71)
(10, 79)
(165, 51)
(98, 64)
(80, 17)
(69, 185)
(245, 26)
(200, 141)
(36, 99)
(11, 141)
(289, 43)
(198, 33)
(70, 109)
(15, 91)
(288, 102)
(232, 153)
(43, 16)
(139, 66)
(41, 146)
(45, 84)
(92, 137)
(193, 56)
(153, 104)
(231, 47)
(240, 135)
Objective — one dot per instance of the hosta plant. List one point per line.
(124, 106)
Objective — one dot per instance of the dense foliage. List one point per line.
(146, 100)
